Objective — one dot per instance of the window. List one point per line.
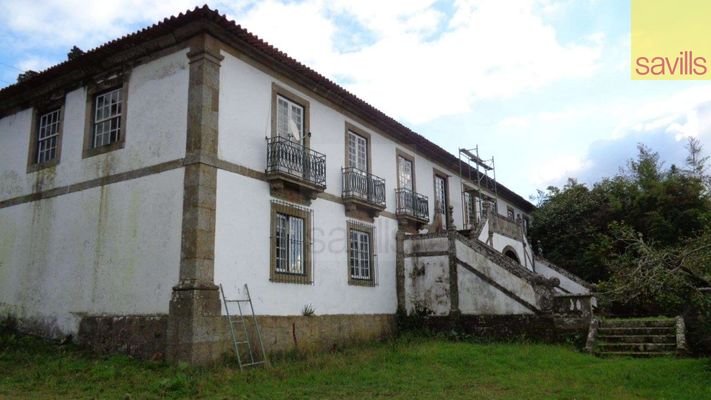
(108, 108)
(45, 137)
(470, 217)
(357, 151)
(361, 255)
(291, 243)
(290, 115)
(405, 173)
(510, 213)
(290, 119)
(441, 201)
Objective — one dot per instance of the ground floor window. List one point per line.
(290, 243)
(361, 254)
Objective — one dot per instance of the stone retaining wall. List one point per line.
(144, 337)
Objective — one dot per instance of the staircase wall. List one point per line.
(426, 265)
(569, 283)
(487, 283)
(487, 287)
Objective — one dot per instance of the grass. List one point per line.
(406, 368)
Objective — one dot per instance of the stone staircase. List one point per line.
(641, 337)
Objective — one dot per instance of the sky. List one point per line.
(542, 86)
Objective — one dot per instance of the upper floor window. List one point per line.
(441, 200)
(108, 108)
(45, 137)
(470, 215)
(510, 213)
(290, 119)
(290, 116)
(405, 173)
(48, 136)
(357, 151)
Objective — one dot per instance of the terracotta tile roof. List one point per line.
(93, 60)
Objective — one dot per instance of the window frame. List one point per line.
(280, 91)
(353, 226)
(469, 207)
(94, 90)
(354, 130)
(399, 153)
(289, 210)
(445, 177)
(33, 152)
(510, 213)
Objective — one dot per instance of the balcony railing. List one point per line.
(285, 156)
(360, 185)
(412, 204)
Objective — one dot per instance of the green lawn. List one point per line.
(405, 368)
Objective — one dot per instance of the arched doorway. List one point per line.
(511, 253)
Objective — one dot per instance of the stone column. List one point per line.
(195, 334)
(400, 271)
(453, 275)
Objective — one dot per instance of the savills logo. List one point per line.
(670, 39)
(685, 64)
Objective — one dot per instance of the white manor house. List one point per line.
(137, 177)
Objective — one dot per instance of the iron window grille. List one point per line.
(291, 243)
(361, 185)
(412, 204)
(362, 255)
(289, 157)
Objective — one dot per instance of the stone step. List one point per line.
(637, 323)
(636, 347)
(636, 354)
(637, 338)
(656, 330)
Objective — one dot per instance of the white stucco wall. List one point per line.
(107, 250)
(242, 251)
(156, 124)
(243, 204)
(112, 249)
(245, 122)
(426, 277)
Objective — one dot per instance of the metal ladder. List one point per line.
(243, 321)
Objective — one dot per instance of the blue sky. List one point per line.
(541, 85)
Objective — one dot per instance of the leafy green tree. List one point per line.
(667, 207)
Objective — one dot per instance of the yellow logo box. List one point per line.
(671, 39)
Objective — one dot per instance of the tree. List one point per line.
(646, 279)
(696, 162)
(666, 206)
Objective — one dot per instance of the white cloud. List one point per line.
(682, 114)
(34, 63)
(420, 64)
(554, 170)
(64, 23)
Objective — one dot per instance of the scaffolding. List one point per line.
(482, 175)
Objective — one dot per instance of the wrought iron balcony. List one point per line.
(413, 205)
(363, 189)
(291, 162)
